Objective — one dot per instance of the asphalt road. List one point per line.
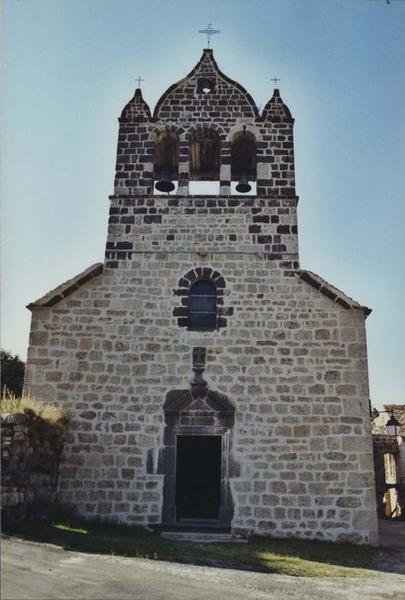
(32, 571)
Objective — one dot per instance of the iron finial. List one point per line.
(209, 32)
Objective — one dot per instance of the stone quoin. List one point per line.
(210, 380)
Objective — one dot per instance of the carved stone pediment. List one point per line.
(198, 402)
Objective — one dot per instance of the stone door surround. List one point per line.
(198, 411)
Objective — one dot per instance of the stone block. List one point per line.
(302, 430)
(348, 502)
(39, 338)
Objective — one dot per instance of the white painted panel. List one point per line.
(204, 188)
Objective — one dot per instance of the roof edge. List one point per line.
(331, 291)
(68, 287)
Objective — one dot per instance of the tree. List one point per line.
(12, 373)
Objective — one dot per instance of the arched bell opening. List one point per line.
(204, 161)
(243, 162)
(166, 161)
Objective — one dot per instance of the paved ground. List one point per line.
(34, 571)
(392, 534)
(392, 542)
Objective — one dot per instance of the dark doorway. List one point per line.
(198, 477)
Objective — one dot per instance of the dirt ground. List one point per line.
(33, 571)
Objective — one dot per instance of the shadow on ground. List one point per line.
(268, 555)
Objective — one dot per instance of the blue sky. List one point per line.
(69, 66)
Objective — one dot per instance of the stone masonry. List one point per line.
(288, 356)
(30, 455)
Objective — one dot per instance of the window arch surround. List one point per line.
(199, 290)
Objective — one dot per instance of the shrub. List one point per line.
(12, 372)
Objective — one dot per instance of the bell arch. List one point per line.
(166, 154)
(243, 156)
(205, 155)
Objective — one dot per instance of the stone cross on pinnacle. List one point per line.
(139, 79)
(275, 79)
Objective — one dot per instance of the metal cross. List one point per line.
(139, 79)
(209, 32)
(275, 79)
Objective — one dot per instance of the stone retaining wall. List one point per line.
(30, 451)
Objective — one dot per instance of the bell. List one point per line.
(165, 183)
(243, 185)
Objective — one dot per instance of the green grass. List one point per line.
(288, 557)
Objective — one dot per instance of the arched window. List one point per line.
(201, 293)
(166, 154)
(205, 156)
(243, 156)
(203, 305)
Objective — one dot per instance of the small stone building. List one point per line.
(389, 462)
(210, 380)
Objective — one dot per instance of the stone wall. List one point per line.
(292, 361)
(229, 226)
(30, 453)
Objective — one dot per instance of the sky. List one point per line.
(69, 67)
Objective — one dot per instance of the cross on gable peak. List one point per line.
(139, 79)
(209, 32)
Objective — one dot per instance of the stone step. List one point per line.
(201, 537)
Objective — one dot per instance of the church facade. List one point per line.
(210, 381)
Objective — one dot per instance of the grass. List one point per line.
(288, 557)
(10, 403)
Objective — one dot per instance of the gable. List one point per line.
(331, 292)
(68, 287)
(186, 96)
